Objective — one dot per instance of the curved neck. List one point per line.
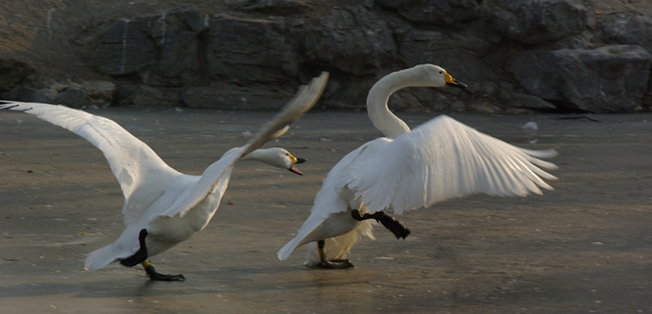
(383, 119)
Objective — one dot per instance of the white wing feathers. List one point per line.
(131, 161)
(438, 160)
(305, 98)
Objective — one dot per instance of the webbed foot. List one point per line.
(153, 275)
(332, 264)
(335, 264)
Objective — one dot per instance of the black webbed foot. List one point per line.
(391, 223)
(141, 255)
(153, 275)
(332, 264)
(335, 264)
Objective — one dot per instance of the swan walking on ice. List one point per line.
(410, 169)
(164, 207)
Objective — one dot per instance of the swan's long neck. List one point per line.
(383, 119)
(258, 155)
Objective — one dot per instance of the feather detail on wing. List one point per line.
(442, 159)
(305, 98)
(131, 161)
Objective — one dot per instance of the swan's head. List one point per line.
(429, 75)
(278, 157)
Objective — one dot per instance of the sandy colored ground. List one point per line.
(583, 248)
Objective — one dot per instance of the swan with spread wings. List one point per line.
(410, 169)
(164, 207)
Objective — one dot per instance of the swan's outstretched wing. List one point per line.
(442, 159)
(305, 98)
(131, 161)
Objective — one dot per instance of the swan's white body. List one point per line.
(406, 170)
(170, 205)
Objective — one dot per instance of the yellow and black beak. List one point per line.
(451, 82)
(295, 161)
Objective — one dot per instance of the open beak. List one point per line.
(295, 170)
(451, 82)
(295, 161)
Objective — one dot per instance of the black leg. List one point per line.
(395, 226)
(332, 264)
(141, 255)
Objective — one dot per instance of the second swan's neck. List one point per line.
(383, 119)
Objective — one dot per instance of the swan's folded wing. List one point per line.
(131, 161)
(305, 98)
(442, 159)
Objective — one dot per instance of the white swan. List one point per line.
(406, 170)
(164, 207)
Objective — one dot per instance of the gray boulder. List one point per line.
(434, 12)
(354, 40)
(607, 79)
(539, 21)
(27, 93)
(73, 97)
(13, 72)
(627, 30)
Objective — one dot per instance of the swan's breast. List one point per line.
(177, 229)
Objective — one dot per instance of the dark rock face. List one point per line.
(126, 47)
(434, 12)
(353, 40)
(162, 49)
(176, 35)
(275, 7)
(250, 50)
(515, 55)
(539, 21)
(606, 79)
(629, 30)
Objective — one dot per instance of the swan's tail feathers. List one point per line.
(102, 257)
(288, 248)
(338, 247)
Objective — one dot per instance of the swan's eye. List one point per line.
(441, 72)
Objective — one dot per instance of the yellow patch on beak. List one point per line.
(449, 79)
(292, 159)
(451, 82)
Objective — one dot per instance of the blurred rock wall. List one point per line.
(515, 55)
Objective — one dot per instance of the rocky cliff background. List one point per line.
(516, 55)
